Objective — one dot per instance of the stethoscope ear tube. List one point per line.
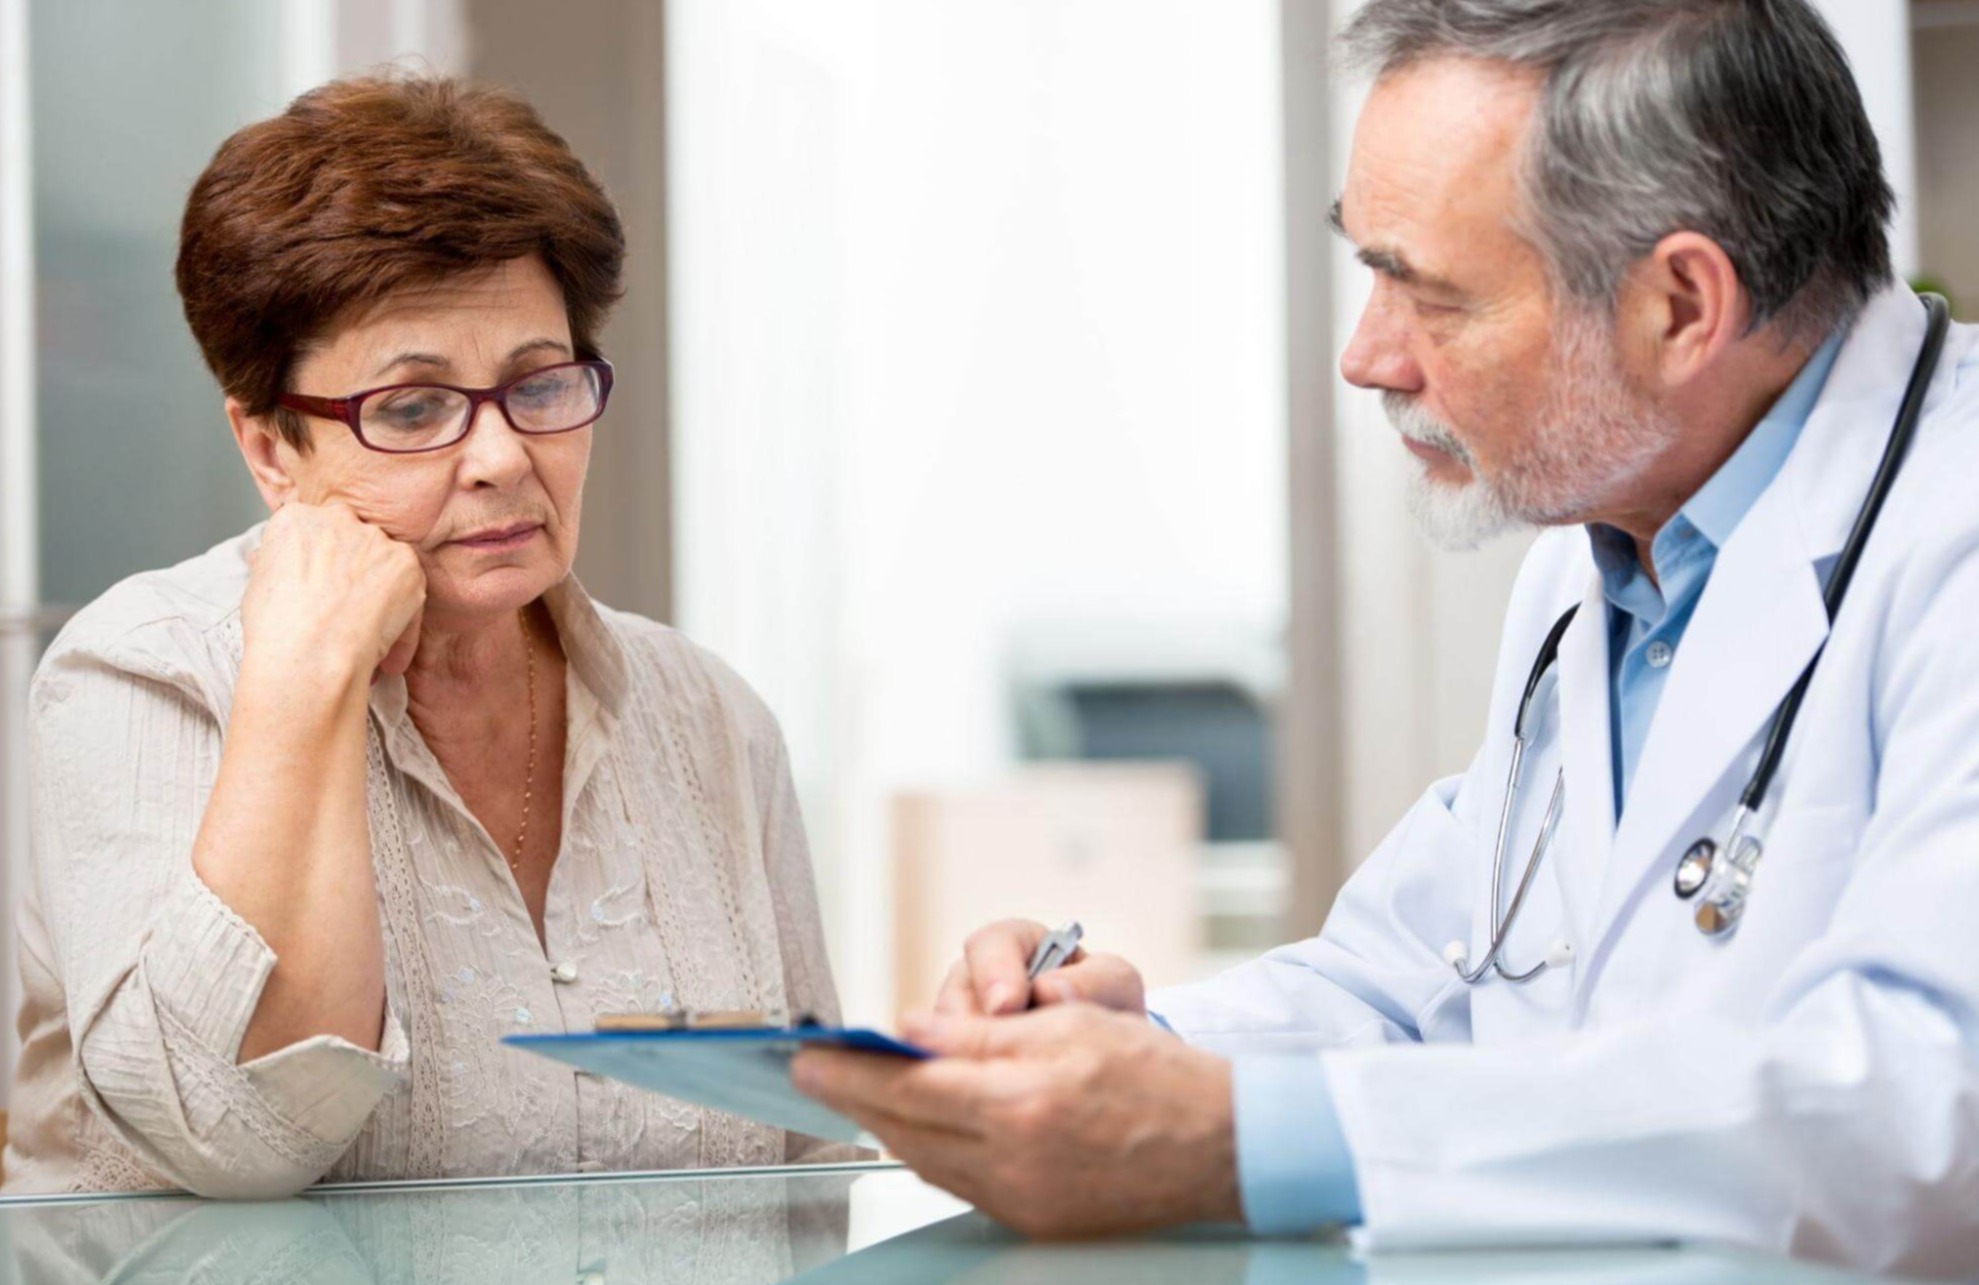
(1455, 954)
(1908, 413)
(1726, 881)
(1549, 650)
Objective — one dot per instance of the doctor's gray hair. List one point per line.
(1735, 119)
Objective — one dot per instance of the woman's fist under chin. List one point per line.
(329, 592)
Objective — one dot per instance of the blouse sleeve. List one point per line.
(160, 976)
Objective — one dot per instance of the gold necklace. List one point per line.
(529, 771)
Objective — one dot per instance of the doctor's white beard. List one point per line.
(1593, 438)
(1452, 516)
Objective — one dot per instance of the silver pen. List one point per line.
(1056, 948)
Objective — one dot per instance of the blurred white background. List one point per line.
(978, 349)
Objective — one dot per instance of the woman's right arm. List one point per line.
(225, 990)
(285, 841)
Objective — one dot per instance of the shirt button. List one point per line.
(1659, 654)
(564, 971)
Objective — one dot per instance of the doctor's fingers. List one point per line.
(1036, 1037)
(955, 1162)
(958, 992)
(1114, 984)
(1018, 1172)
(999, 962)
(1106, 980)
(941, 1093)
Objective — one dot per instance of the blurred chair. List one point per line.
(1194, 689)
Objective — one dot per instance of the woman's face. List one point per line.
(493, 517)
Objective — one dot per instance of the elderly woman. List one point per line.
(322, 814)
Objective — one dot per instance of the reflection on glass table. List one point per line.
(823, 1225)
(720, 1227)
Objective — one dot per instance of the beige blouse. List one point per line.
(683, 880)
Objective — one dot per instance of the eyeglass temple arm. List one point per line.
(327, 407)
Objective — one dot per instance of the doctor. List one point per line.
(1632, 284)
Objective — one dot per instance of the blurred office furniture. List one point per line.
(1114, 846)
(1202, 692)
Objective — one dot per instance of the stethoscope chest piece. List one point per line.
(1724, 884)
(1712, 921)
(1694, 871)
(1724, 899)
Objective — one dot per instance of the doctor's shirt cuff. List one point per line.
(1294, 1172)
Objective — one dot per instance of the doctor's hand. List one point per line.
(992, 976)
(1068, 1121)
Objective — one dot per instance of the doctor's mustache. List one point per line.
(1408, 418)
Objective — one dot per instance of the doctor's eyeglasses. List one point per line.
(409, 419)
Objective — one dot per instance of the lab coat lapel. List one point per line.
(1580, 851)
(1830, 469)
(1761, 618)
(1757, 625)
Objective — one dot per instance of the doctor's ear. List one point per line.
(1683, 304)
(270, 459)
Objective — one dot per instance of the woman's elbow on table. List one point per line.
(259, 1130)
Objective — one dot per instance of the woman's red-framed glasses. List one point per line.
(406, 419)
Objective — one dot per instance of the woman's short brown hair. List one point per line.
(369, 185)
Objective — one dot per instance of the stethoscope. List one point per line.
(1722, 887)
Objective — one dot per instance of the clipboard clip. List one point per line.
(701, 1019)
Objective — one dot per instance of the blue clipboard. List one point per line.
(742, 1070)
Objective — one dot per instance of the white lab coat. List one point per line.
(1810, 1085)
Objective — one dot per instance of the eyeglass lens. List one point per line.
(420, 417)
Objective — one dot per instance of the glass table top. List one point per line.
(873, 1224)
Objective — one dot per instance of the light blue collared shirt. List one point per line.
(1294, 1170)
(1647, 619)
